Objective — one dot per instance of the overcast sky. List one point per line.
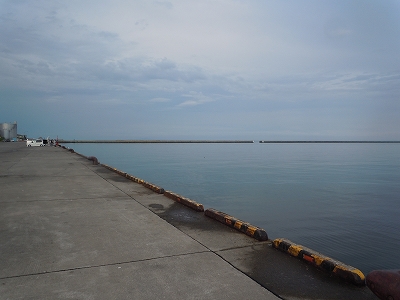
(184, 69)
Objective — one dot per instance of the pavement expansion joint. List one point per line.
(116, 198)
(104, 265)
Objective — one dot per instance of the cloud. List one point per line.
(218, 58)
(195, 98)
(165, 4)
(160, 100)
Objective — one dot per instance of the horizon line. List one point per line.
(227, 141)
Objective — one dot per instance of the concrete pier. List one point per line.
(70, 229)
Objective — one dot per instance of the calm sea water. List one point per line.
(342, 200)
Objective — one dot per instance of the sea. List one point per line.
(340, 199)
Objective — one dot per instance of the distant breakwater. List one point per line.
(329, 142)
(157, 141)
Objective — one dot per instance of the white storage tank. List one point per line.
(8, 130)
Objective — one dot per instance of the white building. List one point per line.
(8, 130)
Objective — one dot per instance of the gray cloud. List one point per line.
(272, 66)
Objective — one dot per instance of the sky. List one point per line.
(185, 69)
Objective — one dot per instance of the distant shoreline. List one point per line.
(219, 142)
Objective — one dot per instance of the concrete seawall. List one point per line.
(74, 229)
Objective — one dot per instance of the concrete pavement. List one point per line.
(73, 230)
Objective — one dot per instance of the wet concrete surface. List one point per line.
(280, 273)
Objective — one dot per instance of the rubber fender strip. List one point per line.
(252, 231)
(105, 166)
(153, 187)
(133, 178)
(109, 167)
(185, 201)
(113, 169)
(149, 185)
(118, 171)
(334, 267)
